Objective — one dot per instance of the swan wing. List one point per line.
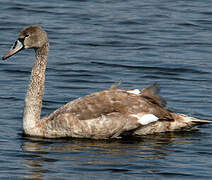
(101, 115)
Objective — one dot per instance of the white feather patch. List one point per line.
(134, 91)
(103, 118)
(145, 119)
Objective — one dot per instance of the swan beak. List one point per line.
(18, 46)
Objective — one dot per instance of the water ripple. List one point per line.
(94, 44)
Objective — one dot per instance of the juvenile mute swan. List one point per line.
(112, 113)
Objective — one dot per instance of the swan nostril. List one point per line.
(14, 45)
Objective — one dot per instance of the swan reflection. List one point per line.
(47, 156)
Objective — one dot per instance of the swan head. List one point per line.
(30, 37)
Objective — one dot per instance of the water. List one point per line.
(93, 45)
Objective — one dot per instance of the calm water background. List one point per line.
(93, 45)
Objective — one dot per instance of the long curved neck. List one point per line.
(33, 100)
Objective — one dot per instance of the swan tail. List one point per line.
(200, 121)
(182, 120)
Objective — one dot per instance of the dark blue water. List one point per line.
(93, 45)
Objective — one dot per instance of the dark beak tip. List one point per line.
(5, 57)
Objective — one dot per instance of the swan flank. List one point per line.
(112, 113)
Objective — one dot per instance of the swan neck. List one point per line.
(33, 100)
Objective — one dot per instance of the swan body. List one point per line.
(112, 113)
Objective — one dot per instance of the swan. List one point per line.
(112, 113)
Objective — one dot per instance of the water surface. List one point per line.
(93, 45)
